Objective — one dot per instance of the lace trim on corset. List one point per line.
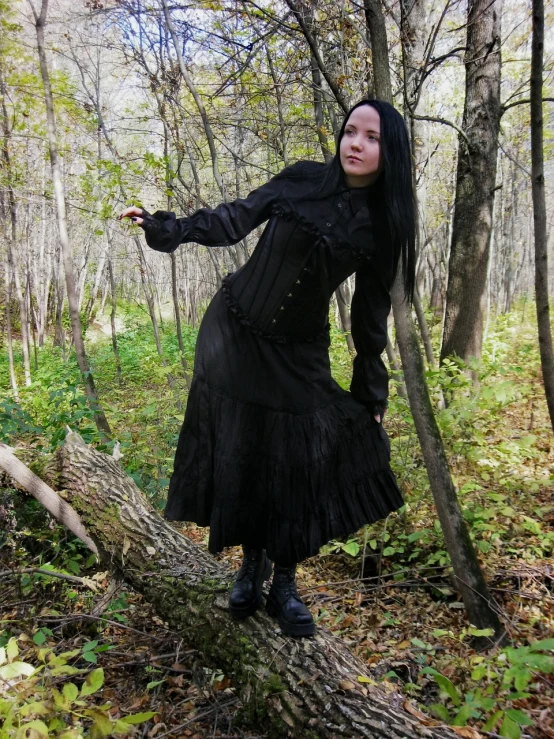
(321, 239)
(243, 318)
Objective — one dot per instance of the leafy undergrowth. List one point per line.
(387, 590)
(82, 656)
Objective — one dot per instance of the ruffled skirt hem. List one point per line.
(285, 482)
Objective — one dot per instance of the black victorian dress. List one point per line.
(273, 453)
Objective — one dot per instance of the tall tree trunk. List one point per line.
(279, 100)
(475, 184)
(23, 312)
(58, 300)
(81, 275)
(11, 234)
(304, 15)
(480, 606)
(88, 380)
(395, 369)
(44, 270)
(112, 323)
(539, 208)
(317, 91)
(177, 311)
(174, 290)
(424, 329)
(375, 22)
(345, 317)
(7, 285)
(96, 286)
(413, 14)
(318, 110)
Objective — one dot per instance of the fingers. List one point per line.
(133, 213)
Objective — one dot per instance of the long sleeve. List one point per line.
(224, 225)
(371, 306)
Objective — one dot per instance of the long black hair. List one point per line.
(393, 187)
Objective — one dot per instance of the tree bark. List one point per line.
(23, 312)
(59, 333)
(395, 369)
(480, 606)
(112, 323)
(9, 340)
(173, 258)
(59, 508)
(475, 185)
(178, 328)
(278, 88)
(293, 687)
(375, 22)
(539, 208)
(300, 12)
(424, 330)
(11, 235)
(96, 286)
(88, 380)
(345, 318)
(413, 15)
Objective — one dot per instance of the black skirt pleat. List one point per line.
(273, 453)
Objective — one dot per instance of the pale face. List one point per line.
(360, 150)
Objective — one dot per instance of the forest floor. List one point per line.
(387, 591)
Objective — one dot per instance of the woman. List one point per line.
(273, 454)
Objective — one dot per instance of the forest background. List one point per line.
(178, 106)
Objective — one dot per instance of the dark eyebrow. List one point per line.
(369, 130)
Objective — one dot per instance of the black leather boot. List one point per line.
(246, 595)
(284, 604)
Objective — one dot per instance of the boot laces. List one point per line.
(249, 564)
(287, 581)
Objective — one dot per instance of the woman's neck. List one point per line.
(355, 182)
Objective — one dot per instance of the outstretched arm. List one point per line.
(224, 225)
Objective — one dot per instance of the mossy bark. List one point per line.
(291, 687)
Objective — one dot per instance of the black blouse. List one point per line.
(307, 249)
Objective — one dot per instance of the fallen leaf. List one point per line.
(467, 732)
(156, 730)
(178, 667)
(346, 685)
(425, 720)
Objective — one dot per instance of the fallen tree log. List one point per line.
(59, 508)
(290, 687)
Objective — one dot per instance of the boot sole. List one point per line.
(286, 627)
(239, 614)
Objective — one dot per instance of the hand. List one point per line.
(135, 214)
(377, 418)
